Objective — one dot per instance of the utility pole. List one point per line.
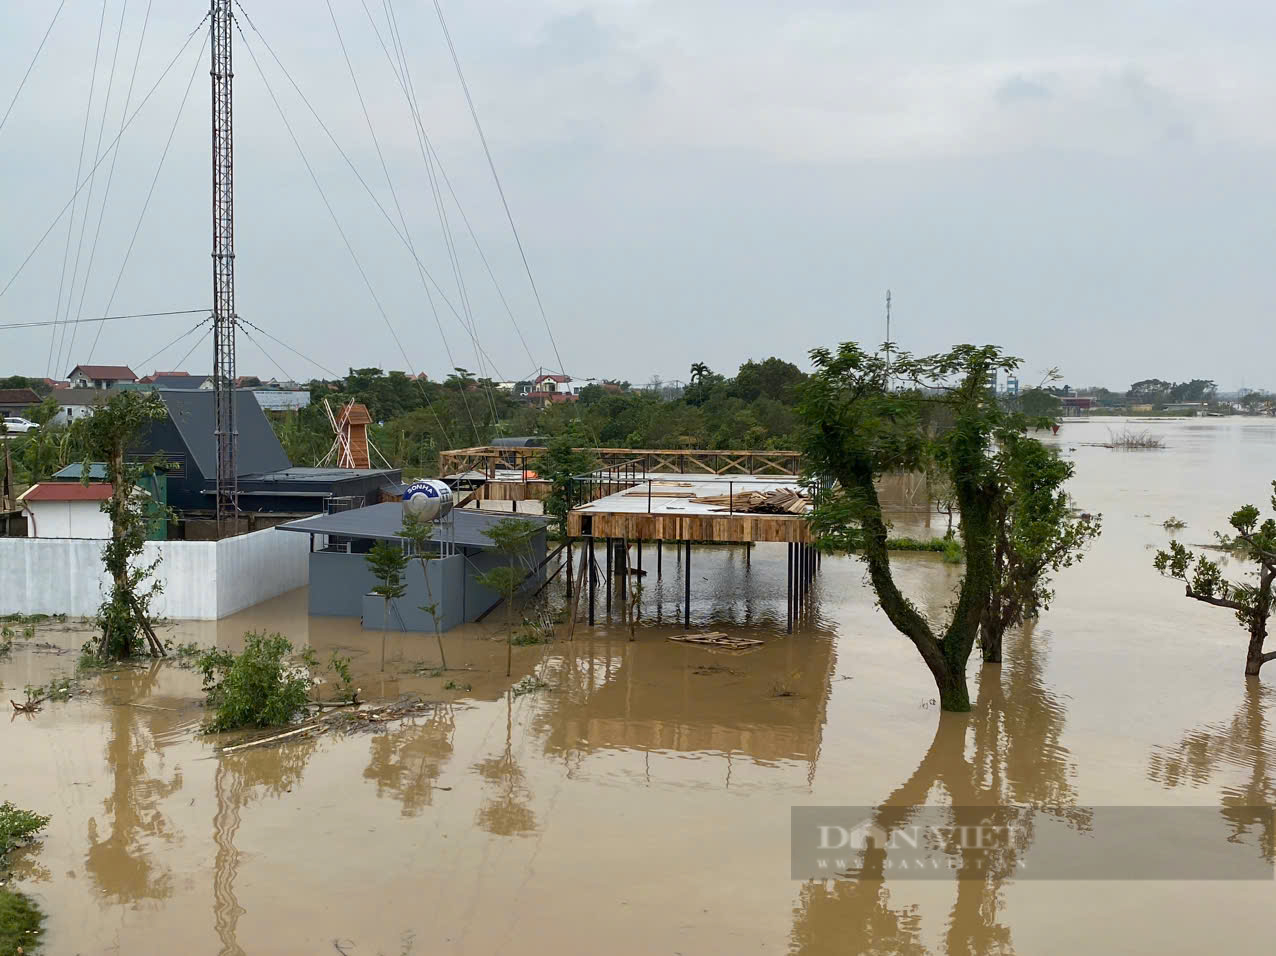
(224, 317)
(888, 339)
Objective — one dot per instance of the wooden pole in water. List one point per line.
(608, 582)
(660, 554)
(569, 569)
(788, 584)
(593, 581)
(686, 595)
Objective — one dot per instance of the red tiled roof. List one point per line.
(554, 378)
(106, 371)
(66, 491)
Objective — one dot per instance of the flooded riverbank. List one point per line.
(640, 800)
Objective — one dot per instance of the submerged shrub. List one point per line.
(259, 687)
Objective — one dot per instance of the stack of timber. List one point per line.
(778, 501)
(717, 639)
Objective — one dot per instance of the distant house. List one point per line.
(100, 376)
(553, 389)
(75, 403)
(66, 509)
(14, 401)
(176, 380)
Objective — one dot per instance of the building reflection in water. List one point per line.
(1005, 753)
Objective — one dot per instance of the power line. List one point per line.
(79, 166)
(110, 176)
(149, 193)
(497, 179)
(58, 218)
(354, 169)
(150, 358)
(273, 338)
(200, 341)
(389, 181)
(332, 213)
(100, 318)
(38, 50)
(401, 73)
(269, 357)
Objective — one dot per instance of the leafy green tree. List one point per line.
(857, 430)
(258, 687)
(771, 378)
(420, 533)
(1250, 600)
(1038, 534)
(387, 562)
(559, 463)
(1149, 391)
(1038, 403)
(511, 537)
(109, 434)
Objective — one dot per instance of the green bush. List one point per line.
(17, 826)
(259, 687)
(953, 551)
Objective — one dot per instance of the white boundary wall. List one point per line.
(203, 580)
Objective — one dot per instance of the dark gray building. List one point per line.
(341, 584)
(268, 481)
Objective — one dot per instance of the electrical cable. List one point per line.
(335, 221)
(322, 368)
(110, 176)
(150, 358)
(79, 166)
(390, 183)
(128, 251)
(38, 50)
(336, 145)
(500, 189)
(58, 218)
(102, 318)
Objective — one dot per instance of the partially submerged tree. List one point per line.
(1252, 600)
(1038, 534)
(559, 464)
(420, 533)
(858, 430)
(109, 434)
(512, 537)
(387, 562)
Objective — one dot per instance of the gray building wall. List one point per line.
(447, 579)
(341, 586)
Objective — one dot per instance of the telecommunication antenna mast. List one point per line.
(224, 317)
(888, 338)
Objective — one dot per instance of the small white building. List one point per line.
(66, 509)
(75, 403)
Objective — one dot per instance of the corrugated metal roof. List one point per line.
(382, 523)
(75, 471)
(192, 411)
(18, 396)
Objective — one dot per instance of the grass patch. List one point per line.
(1173, 524)
(935, 545)
(21, 923)
(453, 685)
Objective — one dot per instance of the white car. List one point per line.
(16, 425)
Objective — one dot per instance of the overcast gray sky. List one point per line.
(1085, 183)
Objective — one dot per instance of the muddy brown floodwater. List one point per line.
(640, 802)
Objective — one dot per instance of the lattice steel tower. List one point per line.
(224, 317)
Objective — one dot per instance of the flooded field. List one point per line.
(640, 801)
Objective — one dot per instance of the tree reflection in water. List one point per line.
(406, 763)
(505, 812)
(121, 863)
(1239, 750)
(1006, 753)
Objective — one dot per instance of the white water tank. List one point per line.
(427, 499)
